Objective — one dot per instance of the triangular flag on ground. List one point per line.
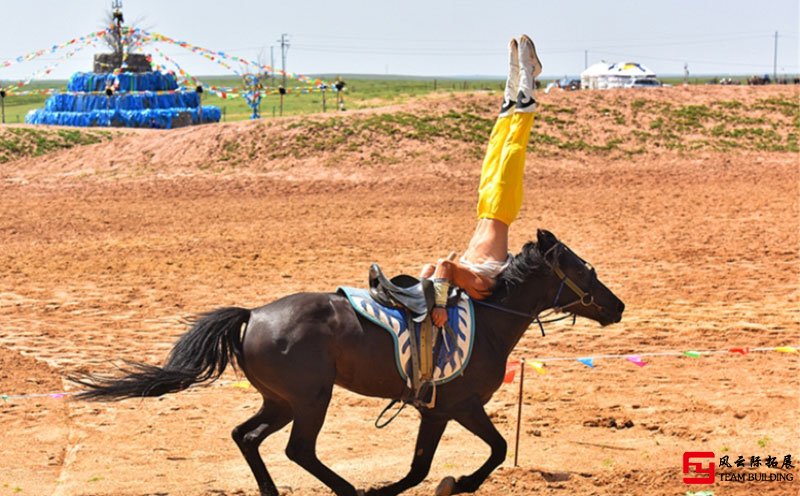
(786, 349)
(589, 362)
(241, 385)
(511, 370)
(742, 351)
(636, 360)
(693, 354)
(538, 367)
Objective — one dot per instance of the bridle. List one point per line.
(585, 298)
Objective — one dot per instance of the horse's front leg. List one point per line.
(430, 432)
(475, 420)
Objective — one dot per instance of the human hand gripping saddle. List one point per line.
(417, 298)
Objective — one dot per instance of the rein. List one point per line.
(530, 316)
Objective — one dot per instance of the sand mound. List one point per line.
(437, 133)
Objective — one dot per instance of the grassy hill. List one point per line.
(617, 122)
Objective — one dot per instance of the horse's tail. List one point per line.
(200, 355)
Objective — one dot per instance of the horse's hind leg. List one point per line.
(309, 415)
(272, 417)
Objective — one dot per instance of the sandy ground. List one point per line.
(703, 247)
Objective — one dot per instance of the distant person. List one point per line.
(339, 85)
(500, 188)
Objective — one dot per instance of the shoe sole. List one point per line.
(537, 64)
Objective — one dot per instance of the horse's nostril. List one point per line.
(621, 307)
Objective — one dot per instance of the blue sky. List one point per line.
(445, 38)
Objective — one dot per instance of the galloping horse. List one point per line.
(295, 349)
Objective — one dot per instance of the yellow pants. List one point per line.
(500, 189)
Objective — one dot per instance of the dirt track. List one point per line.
(103, 256)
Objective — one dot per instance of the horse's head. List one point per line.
(577, 288)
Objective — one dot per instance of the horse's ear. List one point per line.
(545, 240)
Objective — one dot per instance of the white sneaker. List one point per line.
(512, 83)
(529, 67)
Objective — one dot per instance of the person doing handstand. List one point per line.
(499, 190)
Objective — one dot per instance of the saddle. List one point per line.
(416, 297)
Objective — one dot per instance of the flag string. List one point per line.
(742, 351)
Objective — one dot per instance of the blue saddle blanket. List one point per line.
(453, 354)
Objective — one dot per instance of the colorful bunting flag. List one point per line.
(692, 354)
(588, 361)
(742, 351)
(636, 360)
(538, 367)
(511, 370)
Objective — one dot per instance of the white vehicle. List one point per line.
(644, 83)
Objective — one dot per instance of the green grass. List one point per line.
(352, 133)
(768, 124)
(18, 142)
(359, 93)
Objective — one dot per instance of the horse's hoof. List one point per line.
(360, 492)
(446, 487)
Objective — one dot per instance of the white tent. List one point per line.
(603, 75)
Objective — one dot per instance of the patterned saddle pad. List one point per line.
(453, 355)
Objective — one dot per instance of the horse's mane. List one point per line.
(528, 262)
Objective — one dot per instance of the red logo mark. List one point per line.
(705, 475)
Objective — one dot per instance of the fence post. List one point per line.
(519, 408)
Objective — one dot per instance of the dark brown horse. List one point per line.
(295, 349)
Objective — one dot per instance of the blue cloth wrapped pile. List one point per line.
(84, 102)
(159, 118)
(138, 100)
(126, 81)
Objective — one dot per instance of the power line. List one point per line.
(359, 48)
(389, 51)
(687, 42)
(671, 59)
(406, 40)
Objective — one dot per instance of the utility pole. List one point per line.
(775, 61)
(116, 5)
(284, 49)
(586, 59)
(272, 64)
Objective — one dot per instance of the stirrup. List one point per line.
(426, 395)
